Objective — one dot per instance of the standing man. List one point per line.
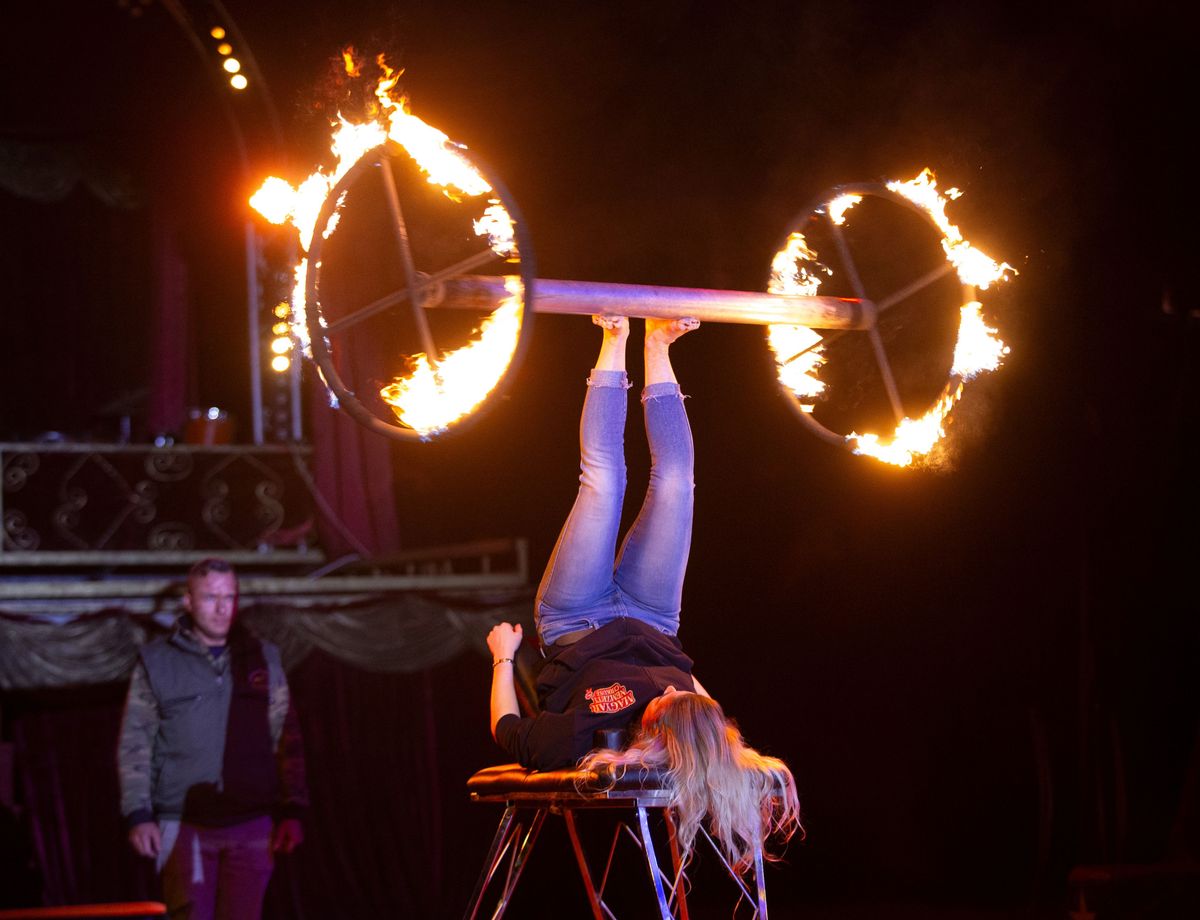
(210, 758)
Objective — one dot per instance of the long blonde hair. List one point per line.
(746, 797)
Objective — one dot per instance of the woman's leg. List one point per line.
(653, 558)
(580, 572)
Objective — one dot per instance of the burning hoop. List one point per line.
(926, 337)
(437, 395)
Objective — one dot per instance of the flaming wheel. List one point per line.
(871, 242)
(356, 287)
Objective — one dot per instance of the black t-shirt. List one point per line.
(603, 681)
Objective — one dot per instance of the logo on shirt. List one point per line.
(612, 698)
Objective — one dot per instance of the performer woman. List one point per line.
(608, 634)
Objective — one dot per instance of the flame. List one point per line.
(300, 307)
(912, 437)
(840, 205)
(497, 225)
(973, 266)
(437, 156)
(801, 360)
(274, 200)
(978, 348)
(430, 398)
(798, 354)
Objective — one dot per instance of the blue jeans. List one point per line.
(582, 587)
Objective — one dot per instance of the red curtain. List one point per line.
(351, 465)
(169, 346)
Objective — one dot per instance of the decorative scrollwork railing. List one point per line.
(116, 504)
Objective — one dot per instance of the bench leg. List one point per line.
(678, 889)
(760, 881)
(759, 897)
(506, 837)
(664, 906)
(593, 897)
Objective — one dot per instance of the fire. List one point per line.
(437, 156)
(273, 200)
(978, 348)
(497, 225)
(431, 397)
(840, 205)
(798, 354)
(972, 265)
(439, 389)
(912, 437)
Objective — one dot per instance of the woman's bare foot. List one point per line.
(660, 333)
(666, 331)
(612, 348)
(612, 323)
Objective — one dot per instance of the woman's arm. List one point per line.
(503, 640)
(700, 687)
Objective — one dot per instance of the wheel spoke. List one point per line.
(462, 267)
(885, 370)
(847, 260)
(908, 290)
(885, 367)
(376, 306)
(401, 230)
(881, 358)
(824, 340)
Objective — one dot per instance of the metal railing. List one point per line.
(73, 504)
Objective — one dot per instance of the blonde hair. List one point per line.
(746, 797)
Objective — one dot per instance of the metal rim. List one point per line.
(817, 209)
(318, 329)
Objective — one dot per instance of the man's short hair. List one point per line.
(210, 566)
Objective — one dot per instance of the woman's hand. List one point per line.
(504, 640)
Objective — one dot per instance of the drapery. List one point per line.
(352, 469)
(399, 633)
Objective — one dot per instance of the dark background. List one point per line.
(981, 676)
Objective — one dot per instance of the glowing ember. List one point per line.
(796, 270)
(440, 389)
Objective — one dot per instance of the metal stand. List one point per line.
(558, 792)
